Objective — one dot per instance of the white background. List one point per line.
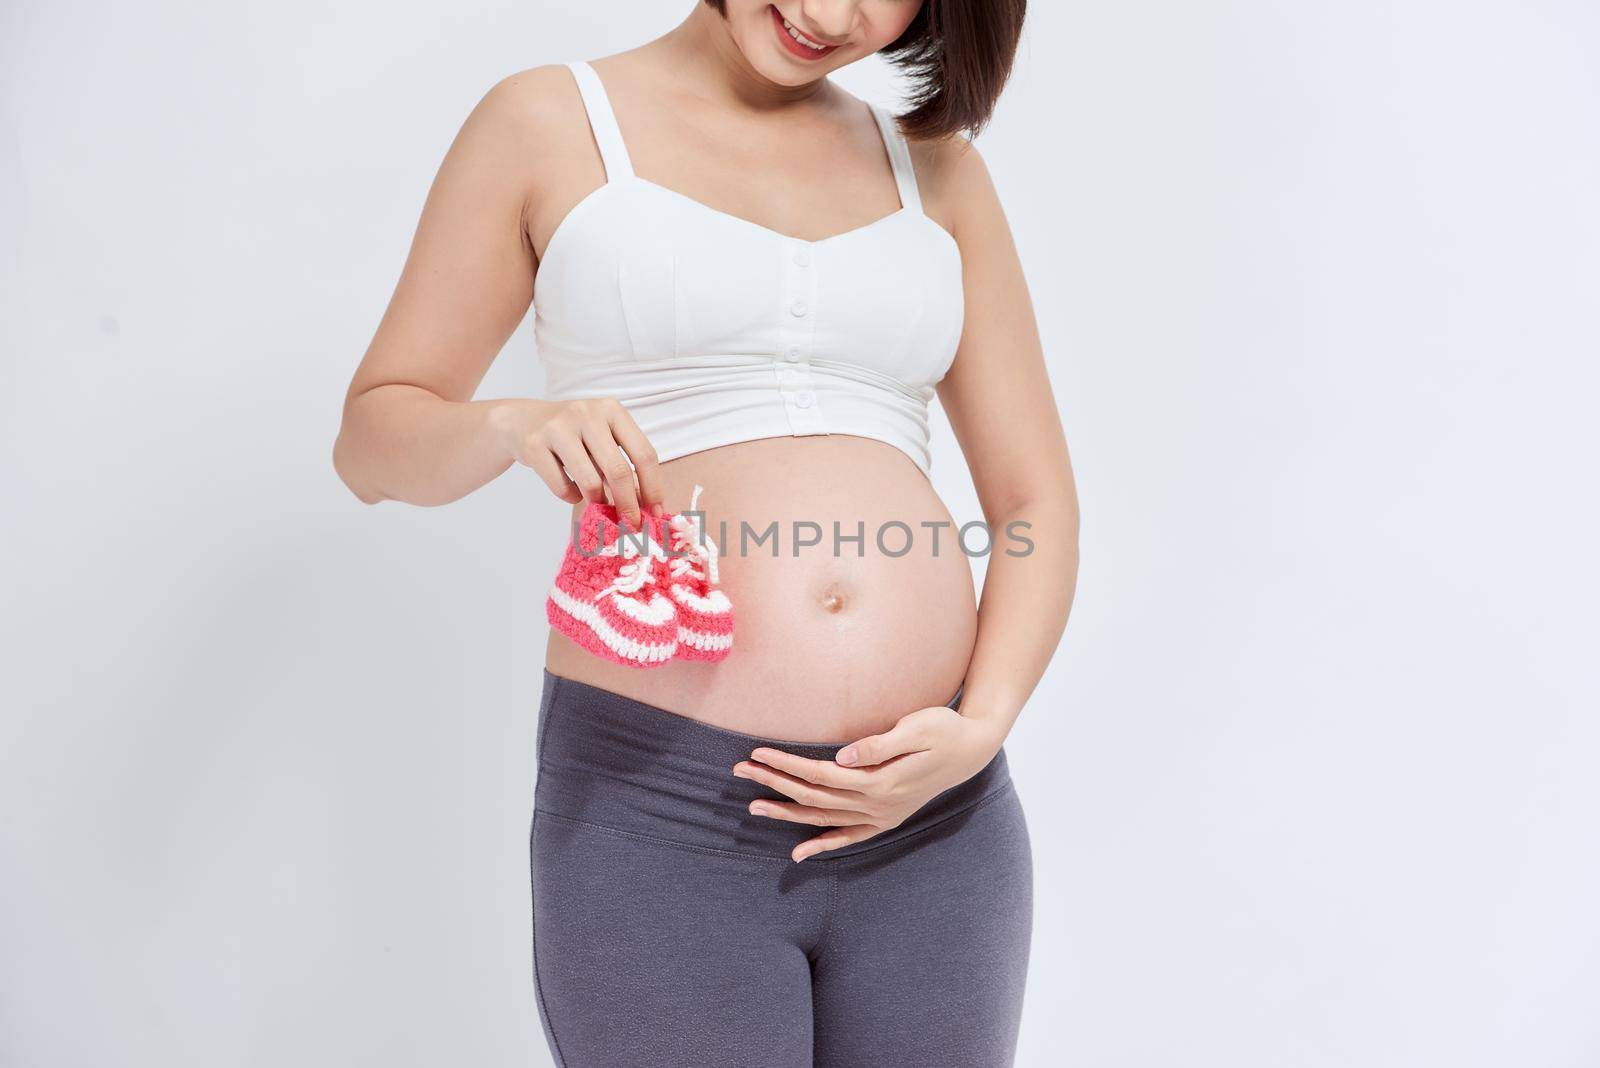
(1311, 782)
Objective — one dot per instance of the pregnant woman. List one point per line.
(806, 850)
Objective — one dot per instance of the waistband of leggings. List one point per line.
(614, 762)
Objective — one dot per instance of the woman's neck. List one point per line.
(708, 63)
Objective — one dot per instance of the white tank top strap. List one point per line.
(905, 176)
(603, 121)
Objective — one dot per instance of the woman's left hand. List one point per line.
(876, 783)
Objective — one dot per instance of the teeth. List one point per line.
(802, 38)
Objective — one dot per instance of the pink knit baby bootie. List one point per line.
(705, 615)
(607, 595)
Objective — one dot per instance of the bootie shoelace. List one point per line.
(697, 553)
(640, 550)
(705, 615)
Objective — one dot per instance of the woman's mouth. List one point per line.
(797, 43)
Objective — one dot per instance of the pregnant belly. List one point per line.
(833, 640)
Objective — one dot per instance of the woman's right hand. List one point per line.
(584, 449)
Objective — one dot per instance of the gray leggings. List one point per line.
(671, 929)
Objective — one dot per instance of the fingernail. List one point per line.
(738, 770)
(847, 755)
(759, 809)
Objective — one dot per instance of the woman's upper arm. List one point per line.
(468, 279)
(997, 392)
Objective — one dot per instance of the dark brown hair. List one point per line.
(958, 54)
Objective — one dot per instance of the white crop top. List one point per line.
(711, 329)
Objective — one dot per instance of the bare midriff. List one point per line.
(831, 641)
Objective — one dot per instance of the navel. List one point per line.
(834, 597)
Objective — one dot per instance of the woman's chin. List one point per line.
(779, 70)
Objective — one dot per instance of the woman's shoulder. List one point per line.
(534, 122)
(952, 178)
(539, 100)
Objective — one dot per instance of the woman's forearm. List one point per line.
(1024, 608)
(403, 443)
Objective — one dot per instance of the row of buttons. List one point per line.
(799, 375)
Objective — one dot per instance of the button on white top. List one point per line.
(802, 257)
(798, 308)
(793, 355)
(804, 399)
